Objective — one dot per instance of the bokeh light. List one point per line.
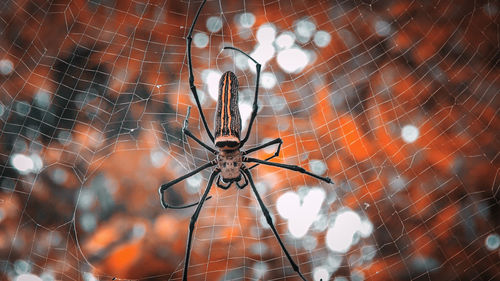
(301, 213)
(262, 53)
(304, 29)
(214, 24)
(340, 236)
(247, 20)
(317, 166)
(493, 242)
(200, 40)
(266, 34)
(321, 273)
(22, 108)
(382, 28)
(292, 60)
(246, 112)
(22, 163)
(409, 133)
(28, 277)
(322, 38)
(395, 101)
(211, 79)
(285, 40)
(268, 80)
(6, 67)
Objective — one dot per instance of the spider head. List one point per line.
(229, 163)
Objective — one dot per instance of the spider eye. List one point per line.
(224, 164)
(234, 164)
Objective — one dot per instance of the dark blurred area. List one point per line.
(396, 101)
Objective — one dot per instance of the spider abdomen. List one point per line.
(228, 118)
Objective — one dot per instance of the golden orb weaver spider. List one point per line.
(229, 159)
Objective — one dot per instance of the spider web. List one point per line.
(396, 101)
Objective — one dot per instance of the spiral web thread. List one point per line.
(396, 101)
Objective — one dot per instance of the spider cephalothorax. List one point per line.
(229, 163)
(230, 160)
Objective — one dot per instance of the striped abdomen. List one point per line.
(228, 118)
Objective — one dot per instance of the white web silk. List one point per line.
(90, 121)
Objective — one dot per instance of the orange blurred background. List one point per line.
(396, 101)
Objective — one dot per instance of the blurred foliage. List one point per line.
(98, 90)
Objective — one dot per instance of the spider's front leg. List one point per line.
(278, 141)
(188, 133)
(189, 40)
(288, 167)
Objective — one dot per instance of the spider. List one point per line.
(230, 160)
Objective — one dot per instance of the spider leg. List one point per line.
(192, 223)
(255, 105)
(289, 167)
(166, 186)
(188, 133)
(221, 185)
(264, 145)
(189, 39)
(245, 183)
(270, 222)
(279, 141)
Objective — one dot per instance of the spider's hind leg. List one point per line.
(269, 220)
(192, 224)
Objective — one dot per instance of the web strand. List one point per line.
(395, 101)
